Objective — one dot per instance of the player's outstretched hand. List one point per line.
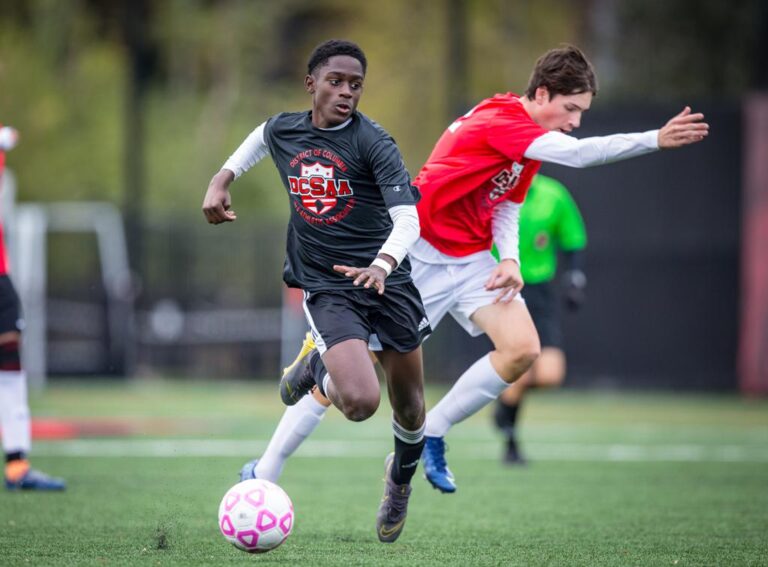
(372, 276)
(683, 129)
(217, 202)
(506, 277)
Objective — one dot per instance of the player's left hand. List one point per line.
(506, 277)
(683, 129)
(371, 276)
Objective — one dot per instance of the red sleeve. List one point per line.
(511, 134)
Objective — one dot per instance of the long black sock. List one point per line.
(506, 418)
(318, 371)
(408, 448)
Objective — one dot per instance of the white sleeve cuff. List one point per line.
(405, 231)
(506, 230)
(250, 152)
(556, 147)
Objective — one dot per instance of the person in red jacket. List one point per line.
(14, 409)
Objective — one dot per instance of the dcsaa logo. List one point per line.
(318, 189)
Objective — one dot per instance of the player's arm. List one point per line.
(400, 198)
(217, 201)
(506, 276)
(556, 147)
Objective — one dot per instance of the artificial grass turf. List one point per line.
(585, 508)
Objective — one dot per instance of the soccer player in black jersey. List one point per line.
(352, 219)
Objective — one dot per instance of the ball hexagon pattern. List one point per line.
(256, 516)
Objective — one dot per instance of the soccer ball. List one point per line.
(256, 515)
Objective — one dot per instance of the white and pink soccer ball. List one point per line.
(256, 515)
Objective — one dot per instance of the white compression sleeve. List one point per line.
(405, 231)
(506, 230)
(251, 151)
(556, 147)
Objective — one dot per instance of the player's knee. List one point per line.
(411, 416)
(359, 407)
(529, 354)
(521, 354)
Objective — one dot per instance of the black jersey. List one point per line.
(341, 184)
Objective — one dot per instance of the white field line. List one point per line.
(363, 449)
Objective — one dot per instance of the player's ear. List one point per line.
(542, 95)
(309, 84)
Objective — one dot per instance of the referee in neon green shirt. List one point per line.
(550, 225)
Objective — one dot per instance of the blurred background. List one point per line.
(126, 108)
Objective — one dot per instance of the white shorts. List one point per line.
(452, 285)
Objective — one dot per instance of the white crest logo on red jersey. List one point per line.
(506, 180)
(318, 189)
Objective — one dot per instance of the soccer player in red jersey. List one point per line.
(14, 409)
(472, 187)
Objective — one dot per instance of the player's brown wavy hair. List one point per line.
(564, 71)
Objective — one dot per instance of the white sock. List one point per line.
(326, 379)
(477, 387)
(297, 423)
(14, 412)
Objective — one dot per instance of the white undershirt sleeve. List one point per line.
(556, 147)
(250, 152)
(505, 226)
(405, 231)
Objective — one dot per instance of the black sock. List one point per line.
(407, 453)
(317, 368)
(15, 456)
(506, 418)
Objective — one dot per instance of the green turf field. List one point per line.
(615, 479)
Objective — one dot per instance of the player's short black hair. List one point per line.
(564, 71)
(332, 47)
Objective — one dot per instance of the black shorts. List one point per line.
(541, 301)
(395, 320)
(10, 307)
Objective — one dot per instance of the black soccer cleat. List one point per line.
(390, 518)
(297, 379)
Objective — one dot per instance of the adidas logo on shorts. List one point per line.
(423, 324)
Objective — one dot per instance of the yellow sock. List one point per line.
(14, 470)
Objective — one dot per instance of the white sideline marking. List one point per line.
(364, 449)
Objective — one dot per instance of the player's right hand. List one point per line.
(372, 276)
(217, 202)
(507, 278)
(683, 129)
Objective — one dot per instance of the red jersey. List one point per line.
(477, 163)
